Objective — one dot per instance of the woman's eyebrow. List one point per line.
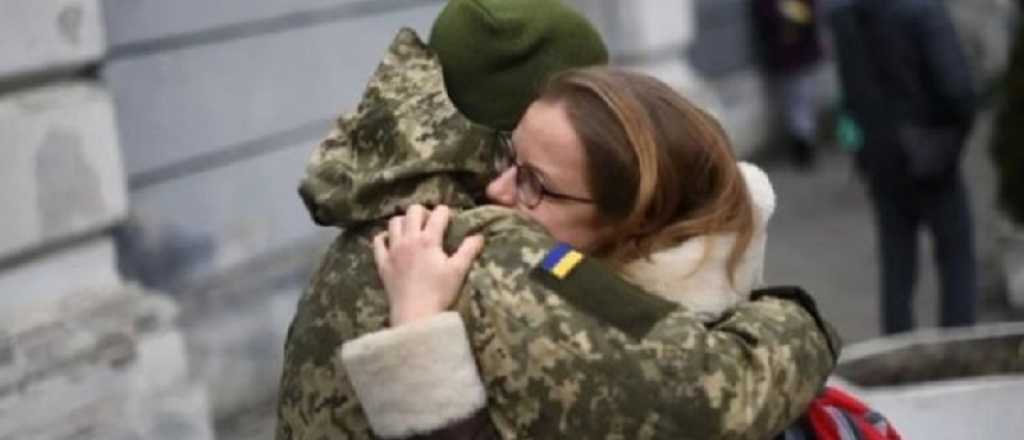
(544, 176)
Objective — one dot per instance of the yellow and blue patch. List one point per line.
(561, 260)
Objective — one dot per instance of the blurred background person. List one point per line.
(787, 31)
(907, 85)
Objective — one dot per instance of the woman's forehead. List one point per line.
(545, 140)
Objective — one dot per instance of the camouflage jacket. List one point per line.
(576, 357)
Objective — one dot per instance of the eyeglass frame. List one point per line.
(527, 177)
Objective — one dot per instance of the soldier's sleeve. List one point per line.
(748, 376)
(417, 378)
(776, 352)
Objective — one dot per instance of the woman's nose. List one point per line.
(502, 190)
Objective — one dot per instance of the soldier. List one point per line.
(408, 144)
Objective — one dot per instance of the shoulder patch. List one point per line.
(597, 291)
(561, 260)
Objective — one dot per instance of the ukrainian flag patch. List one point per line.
(561, 260)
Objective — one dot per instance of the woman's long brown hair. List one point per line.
(661, 169)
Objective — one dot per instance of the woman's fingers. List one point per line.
(380, 254)
(437, 223)
(467, 252)
(414, 218)
(395, 232)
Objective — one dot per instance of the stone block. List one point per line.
(89, 365)
(48, 35)
(62, 175)
(37, 290)
(162, 362)
(176, 105)
(133, 21)
(187, 228)
(179, 414)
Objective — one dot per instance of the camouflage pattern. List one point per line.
(550, 370)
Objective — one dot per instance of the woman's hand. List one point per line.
(420, 278)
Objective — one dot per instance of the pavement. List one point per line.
(822, 237)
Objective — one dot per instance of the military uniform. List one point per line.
(577, 354)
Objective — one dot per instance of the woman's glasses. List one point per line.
(530, 188)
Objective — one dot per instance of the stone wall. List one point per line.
(83, 354)
(219, 106)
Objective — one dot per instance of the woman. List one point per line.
(622, 168)
(666, 188)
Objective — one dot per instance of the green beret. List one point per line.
(496, 53)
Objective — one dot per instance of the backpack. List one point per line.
(838, 415)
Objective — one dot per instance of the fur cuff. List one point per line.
(415, 378)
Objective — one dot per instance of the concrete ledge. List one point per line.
(40, 289)
(61, 176)
(48, 35)
(942, 383)
(983, 408)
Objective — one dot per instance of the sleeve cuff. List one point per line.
(416, 378)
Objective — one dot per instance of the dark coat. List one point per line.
(900, 62)
(786, 43)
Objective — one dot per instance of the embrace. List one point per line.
(550, 249)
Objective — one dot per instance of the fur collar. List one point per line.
(695, 272)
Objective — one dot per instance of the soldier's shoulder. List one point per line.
(500, 227)
(598, 290)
